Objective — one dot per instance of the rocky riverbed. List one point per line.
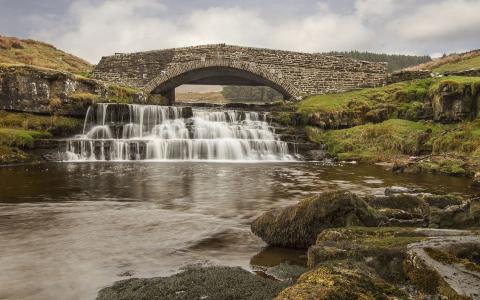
(358, 247)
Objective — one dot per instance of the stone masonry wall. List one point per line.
(309, 73)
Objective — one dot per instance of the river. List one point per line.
(69, 229)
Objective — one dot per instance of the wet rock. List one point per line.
(340, 280)
(412, 204)
(442, 201)
(286, 272)
(396, 190)
(195, 283)
(456, 216)
(297, 226)
(434, 268)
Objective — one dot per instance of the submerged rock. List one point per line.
(297, 226)
(340, 280)
(195, 283)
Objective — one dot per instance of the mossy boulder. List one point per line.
(297, 226)
(342, 279)
(382, 249)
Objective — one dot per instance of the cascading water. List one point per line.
(123, 132)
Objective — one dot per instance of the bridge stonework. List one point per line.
(293, 74)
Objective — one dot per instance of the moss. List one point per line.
(55, 125)
(84, 97)
(20, 138)
(449, 258)
(373, 142)
(122, 94)
(283, 118)
(342, 279)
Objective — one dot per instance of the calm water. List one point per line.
(67, 230)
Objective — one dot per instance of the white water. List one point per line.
(149, 132)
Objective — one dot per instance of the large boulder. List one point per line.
(342, 279)
(195, 283)
(297, 226)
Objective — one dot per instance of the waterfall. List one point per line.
(124, 132)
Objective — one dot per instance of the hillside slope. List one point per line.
(30, 52)
(452, 63)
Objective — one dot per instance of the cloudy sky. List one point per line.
(92, 28)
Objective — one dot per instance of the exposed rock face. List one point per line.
(453, 103)
(38, 90)
(195, 283)
(340, 280)
(297, 226)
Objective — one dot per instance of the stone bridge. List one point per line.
(293, 74)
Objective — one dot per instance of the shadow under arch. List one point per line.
(219, 72)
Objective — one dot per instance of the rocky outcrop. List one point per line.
(45, 91)
(196, 283)
(297, 226)
(341, 279)
(453, 102)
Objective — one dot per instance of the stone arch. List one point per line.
(176, 75)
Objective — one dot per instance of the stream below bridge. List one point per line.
(68, 229)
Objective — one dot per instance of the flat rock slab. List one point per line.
(463, 282)
(196, 283)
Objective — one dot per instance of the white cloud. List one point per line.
(441, 20)
(122, 26)
(92, 29)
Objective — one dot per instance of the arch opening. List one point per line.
(218, 75)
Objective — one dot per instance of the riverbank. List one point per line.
(425, 125)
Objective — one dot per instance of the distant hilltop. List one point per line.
(40, 54)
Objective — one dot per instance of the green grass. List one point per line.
(469, 63)
(373, 142)
(18, 132)
(402, 100)
(21, 138)
(396, 138)
(55, 125)
(122, 94)
(84, 97)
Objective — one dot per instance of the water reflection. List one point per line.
(66, 230)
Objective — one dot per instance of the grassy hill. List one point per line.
(453, 62)
(30, 52)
